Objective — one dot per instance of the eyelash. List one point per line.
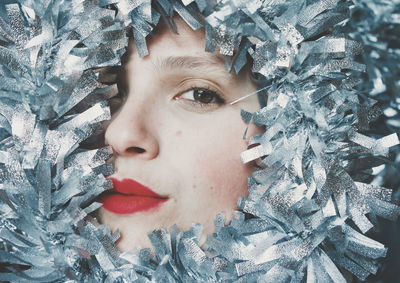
(216, 97)
(118, 100)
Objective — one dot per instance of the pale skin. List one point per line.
(179, 145)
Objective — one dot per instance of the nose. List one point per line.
(130, 133)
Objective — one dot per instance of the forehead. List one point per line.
(186, 36)
(165, 43)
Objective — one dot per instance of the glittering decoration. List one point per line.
(308, 208)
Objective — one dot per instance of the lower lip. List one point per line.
(128, 204)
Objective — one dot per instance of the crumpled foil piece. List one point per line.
(50, 54)
(308, 208)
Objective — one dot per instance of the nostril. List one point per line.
(135, 149)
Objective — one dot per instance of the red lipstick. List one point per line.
(129, 196)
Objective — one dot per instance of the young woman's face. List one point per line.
(177, 135)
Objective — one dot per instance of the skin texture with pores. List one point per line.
(176, 133)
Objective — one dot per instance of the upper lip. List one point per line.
(128, 186)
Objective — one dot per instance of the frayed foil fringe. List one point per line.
(307, 210)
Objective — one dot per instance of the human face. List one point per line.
(177, 134)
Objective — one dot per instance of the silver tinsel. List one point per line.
(308, 210)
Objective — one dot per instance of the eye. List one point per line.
(202, 96)
(116, 102)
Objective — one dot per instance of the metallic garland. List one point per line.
(307, 210)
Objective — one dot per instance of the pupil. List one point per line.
(203, 96)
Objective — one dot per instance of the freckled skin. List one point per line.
(199, 170)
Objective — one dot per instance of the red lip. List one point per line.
(129, 196)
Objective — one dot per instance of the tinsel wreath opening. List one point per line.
(310, 207)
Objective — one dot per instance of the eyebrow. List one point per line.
(192, 62)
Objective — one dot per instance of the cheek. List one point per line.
(221, 175)
(206, 155)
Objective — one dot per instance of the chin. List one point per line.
(134, 228)
(129, 242)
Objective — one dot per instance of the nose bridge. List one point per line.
(129, 132)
